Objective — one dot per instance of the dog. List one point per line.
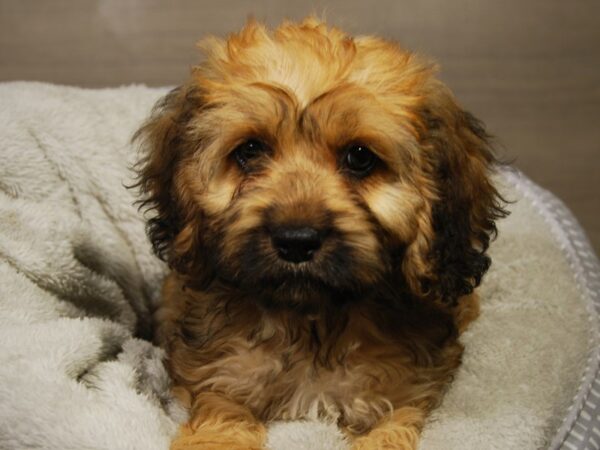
(325, 207)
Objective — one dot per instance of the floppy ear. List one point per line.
(173, 225)
(460, 161)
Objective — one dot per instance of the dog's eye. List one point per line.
(360, 160)
(250, 149)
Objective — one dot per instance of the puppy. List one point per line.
(325, 207)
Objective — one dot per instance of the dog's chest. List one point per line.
(284, 366)
(355, 379)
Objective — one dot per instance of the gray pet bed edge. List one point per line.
(580, 428)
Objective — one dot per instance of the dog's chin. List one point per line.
(301, 293)
(307, 295)
(332, 279)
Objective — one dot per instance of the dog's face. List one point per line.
(302, 166)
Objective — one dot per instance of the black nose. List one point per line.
(296, 244)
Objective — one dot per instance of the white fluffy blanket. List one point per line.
(78, 280)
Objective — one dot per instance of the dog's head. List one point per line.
(304, 166)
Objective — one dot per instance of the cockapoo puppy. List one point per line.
(325, 207)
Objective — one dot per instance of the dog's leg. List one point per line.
(217, 423)
(399, 432)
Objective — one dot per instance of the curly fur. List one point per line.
(367, 331)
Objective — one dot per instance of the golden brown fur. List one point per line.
(366, 329)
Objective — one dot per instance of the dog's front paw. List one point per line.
(392, 442)
(212, 443)
(400, 432)
(235, 438)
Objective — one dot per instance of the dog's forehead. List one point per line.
(310, 59)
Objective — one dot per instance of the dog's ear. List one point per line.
(165, 143)
(452, 244)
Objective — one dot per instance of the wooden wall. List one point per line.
(529, 69)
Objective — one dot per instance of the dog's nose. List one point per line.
(296, 244)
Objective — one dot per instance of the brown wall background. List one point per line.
(529, 69)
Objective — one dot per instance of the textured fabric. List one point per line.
(77, 278)
(78, 283)
(580, 428)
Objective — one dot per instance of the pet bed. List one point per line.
(78, 282)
